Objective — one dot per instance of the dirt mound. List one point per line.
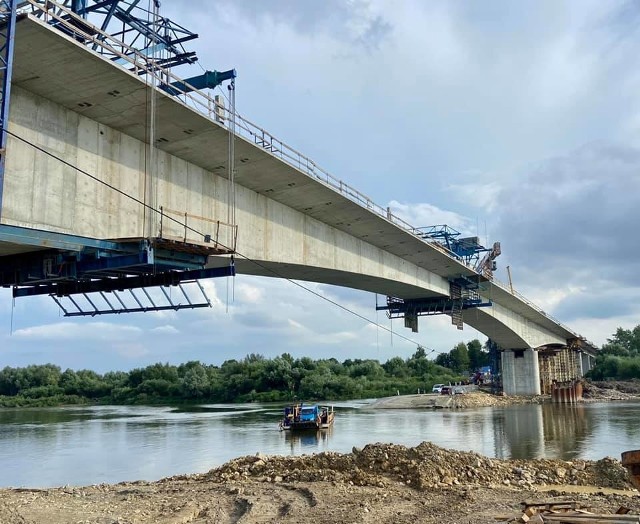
(422, 467)
(473, 399)
(484, 399)
(613, 390)
(379, 483)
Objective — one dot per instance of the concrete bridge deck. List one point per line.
(294, 220)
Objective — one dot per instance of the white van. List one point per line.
(437, 388)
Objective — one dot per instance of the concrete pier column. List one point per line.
(520, 372)
(581, 370)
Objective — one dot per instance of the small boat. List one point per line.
(307, 416)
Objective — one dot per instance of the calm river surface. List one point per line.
(89, 445)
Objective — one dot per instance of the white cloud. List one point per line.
(297, 326)
(250, 293)
(78, 331)
(423, 214)
(166, 329)
(484, 196)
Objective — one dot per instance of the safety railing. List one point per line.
(216, 232)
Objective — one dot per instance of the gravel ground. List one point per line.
(381, 483)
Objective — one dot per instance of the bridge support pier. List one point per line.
(520, 372)
(587, 362)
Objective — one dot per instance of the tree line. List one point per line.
(283, 378)
(254, 378)
(619, 358)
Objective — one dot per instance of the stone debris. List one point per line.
(567, 512)
(611, 390)
(422, 467)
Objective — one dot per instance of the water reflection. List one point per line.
(547, 430)
(566, 429)
(312, 441)
(86, 445)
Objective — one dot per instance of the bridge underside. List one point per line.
(502, 329)
(322, 275)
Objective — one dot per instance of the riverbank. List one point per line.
(379, 483)
(593, 392)
(436, 401)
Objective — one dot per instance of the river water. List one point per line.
(89, 445)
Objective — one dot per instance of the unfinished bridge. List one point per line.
(119, 177)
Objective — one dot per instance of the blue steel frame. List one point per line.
(398, 308)
(466, 249)
(161, 34)
(7, 37)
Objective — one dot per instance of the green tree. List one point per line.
(460, 358)
(195, 382)
(396, 367)
(628, 339)
(10, 383)
(620, 357)
(367, 368)
(444, 360)
(477, 356)
(69, 382)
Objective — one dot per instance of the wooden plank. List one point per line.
(584, 518)
(551, 503)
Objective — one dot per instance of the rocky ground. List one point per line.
(380, 483)
(611, 390)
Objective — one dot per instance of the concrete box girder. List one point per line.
(66, 73)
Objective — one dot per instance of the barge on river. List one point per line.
(307, 417)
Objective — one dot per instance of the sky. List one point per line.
(515, 121)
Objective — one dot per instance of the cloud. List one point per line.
(577, 213)
(166, 330)
(249, 293)
(484, 196)
(357, 22)
(569, 228)
(423, 214)
(78, 331)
